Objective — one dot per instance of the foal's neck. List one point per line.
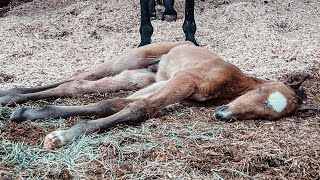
(251, 83)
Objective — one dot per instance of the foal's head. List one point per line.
(271, 100)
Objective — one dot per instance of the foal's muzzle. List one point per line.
(221, 113)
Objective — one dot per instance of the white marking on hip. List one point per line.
(277, 101)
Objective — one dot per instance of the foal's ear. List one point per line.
(295, 80)
(302, 95)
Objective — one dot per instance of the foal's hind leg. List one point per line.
(27, 90)
(134, 59)
(127, 80)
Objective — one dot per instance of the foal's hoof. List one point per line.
(17, 115)
(56, 139)
(10, 99)
(169, 18)
(3, 93)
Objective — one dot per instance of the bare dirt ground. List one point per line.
(42, 42)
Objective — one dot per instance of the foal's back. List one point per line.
(189, 58)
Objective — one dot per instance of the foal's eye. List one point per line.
(266, 104)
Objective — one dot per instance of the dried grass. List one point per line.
(45, 41)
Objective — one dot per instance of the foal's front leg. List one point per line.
(103, 109)
(173, 91)
(131, 113)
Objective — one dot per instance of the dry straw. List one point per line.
(42, 42)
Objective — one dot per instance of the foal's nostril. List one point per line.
(220, 113)
(218, 116)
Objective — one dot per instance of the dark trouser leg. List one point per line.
(189, 25)
(146, 28)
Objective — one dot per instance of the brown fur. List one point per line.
(165, 73)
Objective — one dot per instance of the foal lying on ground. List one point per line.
(165, 73)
